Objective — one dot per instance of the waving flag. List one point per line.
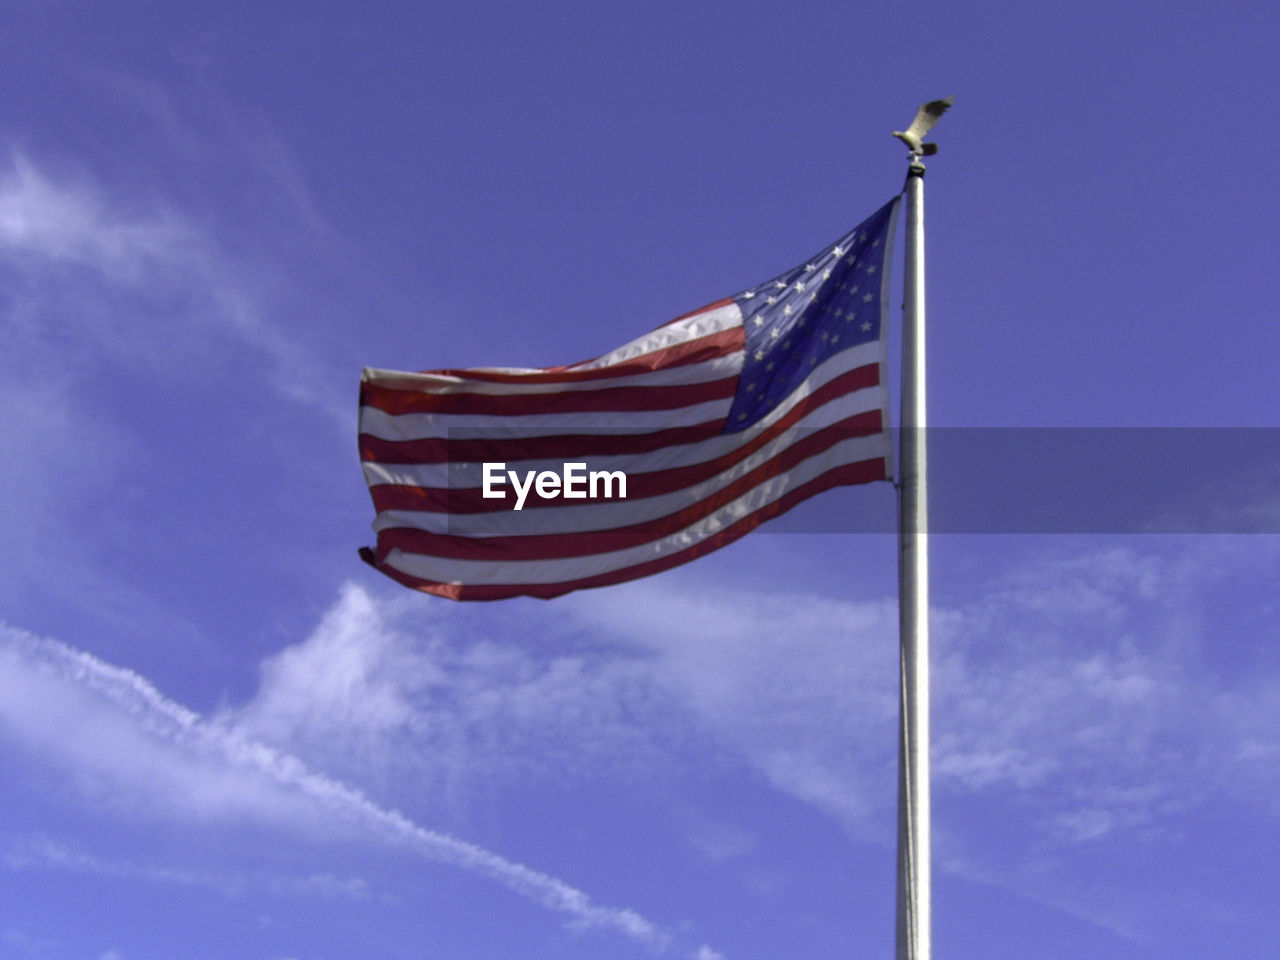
(500, 482)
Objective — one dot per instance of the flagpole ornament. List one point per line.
(926, 118)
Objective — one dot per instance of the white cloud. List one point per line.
(140, 283)
(720, 841)
(28, 944)
(1067, 690)
(1072, 689)
(112, 727)
(128, 747)
(1081, 701)
(206, 129)
(42, 221)
(137, 347)
(1098, 716)
(42, 852)
(1069, 700)
(415, 694)
(352, 679)
(802, 687)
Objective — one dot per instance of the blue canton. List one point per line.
(805, 316)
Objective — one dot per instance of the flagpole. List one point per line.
(914, 879)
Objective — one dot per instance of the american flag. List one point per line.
(720, 420)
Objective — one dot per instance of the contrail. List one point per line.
(161, 717)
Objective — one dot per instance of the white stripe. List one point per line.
(690, 328)
(706, 371)
(475, 572)
(417, 426)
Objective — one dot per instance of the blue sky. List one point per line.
(223, 736)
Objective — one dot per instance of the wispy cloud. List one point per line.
(139, 346)
(1073, 687)
(202, 129)
(20, 940)
(398, 691)
(136, 280)
(44, 853)
(801, 687)
(1080, 685)
(1070, 690)
(80, 711)
(1070, 696)
(44, 222)
(1082, 699)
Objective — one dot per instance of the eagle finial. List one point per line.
(925, 119)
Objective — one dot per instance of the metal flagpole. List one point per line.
(914, 880)
(913, 602)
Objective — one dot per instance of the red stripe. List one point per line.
(499, 450)
(553, 546)
(639, 485)
(718, 344)
(609, 399)
(840, 476)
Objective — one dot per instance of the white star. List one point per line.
(867, 298)
(853, 289)
(825, 336)
(770, 365)
(871, 268)
(809, 268)
(837, 251)
(759, 355)
(758, 321)
(748, 295)
(750, 387)
(774, 334)
(799, 287)
(826, 274)
(786, 311)
(866, 325)
(835, 338)
(779, 284)
(876, 242)
(771, 300)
